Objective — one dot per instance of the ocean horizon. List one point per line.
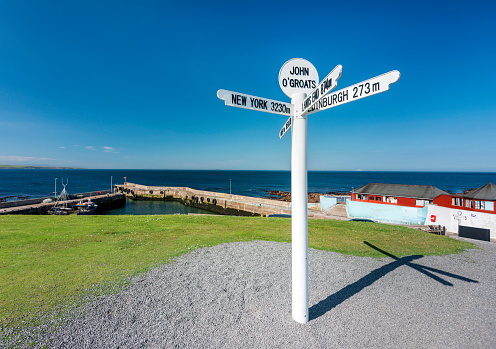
(257, 183)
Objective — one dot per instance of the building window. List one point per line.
(457, 201)
(469, 203)
(391, 200)
(419, 202)
(479, 205)
(361, 196)
(489, 205)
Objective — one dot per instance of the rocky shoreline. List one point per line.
(286, 196)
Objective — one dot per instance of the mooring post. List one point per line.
(299, 213)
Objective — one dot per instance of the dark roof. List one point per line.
(487, 192)
(426, 192)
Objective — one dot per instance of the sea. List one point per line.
(44, 182)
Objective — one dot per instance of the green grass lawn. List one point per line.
(47, 262)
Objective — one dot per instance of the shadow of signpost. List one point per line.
(349, 291)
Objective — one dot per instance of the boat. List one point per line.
(85, 208)
(61, 211)
(61, 208)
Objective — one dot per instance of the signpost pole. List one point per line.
(299, 214)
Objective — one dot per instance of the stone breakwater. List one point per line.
(221, 203)
(104, 199)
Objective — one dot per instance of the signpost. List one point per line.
(298, 76)
(325, 86)
(298, 79)
(241, 100)
(363, 89)
(286, 127)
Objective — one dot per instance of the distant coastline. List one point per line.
(18, 167)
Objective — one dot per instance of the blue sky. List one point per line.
(120, 84)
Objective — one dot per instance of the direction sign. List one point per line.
(286, 127)
(325, 86)
(241, 100)
(363, 89)
(298, 75)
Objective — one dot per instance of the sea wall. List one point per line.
(105, 202)
(28, 202)
(220, 203)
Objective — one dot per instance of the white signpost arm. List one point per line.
(325, 86)
(299, 213)
(286, 127)
(352, 93)
(241, 100)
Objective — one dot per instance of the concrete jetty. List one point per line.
(104, 199)
(220, 203)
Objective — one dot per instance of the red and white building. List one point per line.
(392, 203)
(470, 215)
(407, 195)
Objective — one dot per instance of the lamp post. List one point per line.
(111, 188)
(55, 193)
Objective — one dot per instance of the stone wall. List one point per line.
(221, 203)
(40, 200)
(104, 202)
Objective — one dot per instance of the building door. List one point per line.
(474, 233)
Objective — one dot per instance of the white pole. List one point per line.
(55, 188)
(299, 214)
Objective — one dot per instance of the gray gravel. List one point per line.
(238, 295)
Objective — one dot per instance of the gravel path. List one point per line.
(238, 295)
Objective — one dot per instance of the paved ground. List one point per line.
(238, 295)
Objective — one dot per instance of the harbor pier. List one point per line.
(221, 203)
(104, 199)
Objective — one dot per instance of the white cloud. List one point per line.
(105, 149)
(62, 147)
